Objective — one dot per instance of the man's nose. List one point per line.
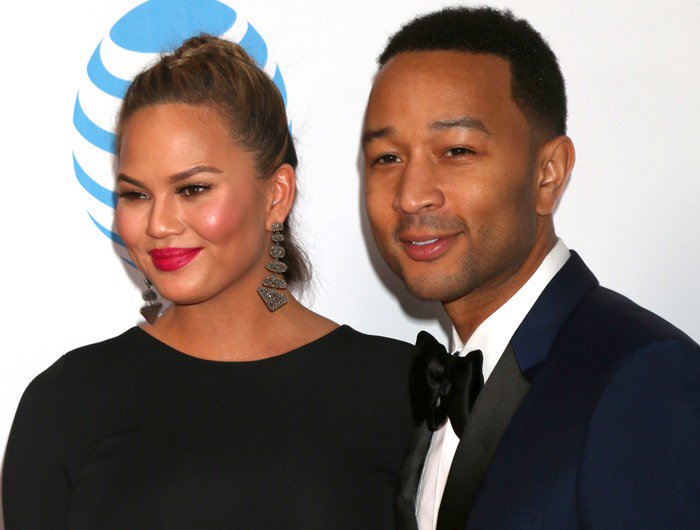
(419, 187)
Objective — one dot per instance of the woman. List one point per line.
(237, 407)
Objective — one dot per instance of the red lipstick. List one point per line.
(170, 258)
(426, 248)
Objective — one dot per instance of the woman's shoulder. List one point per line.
(92, 366)
(373, 371)
(118, 346)
(376, 341)
(112, 360)
(104, 358)
(376, 348)
(50, 391)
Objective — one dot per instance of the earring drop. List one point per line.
(152, 308)
(268, 292)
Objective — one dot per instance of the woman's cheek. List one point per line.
(220, 220)
(128, 226)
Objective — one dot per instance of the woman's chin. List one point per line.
(184, 297)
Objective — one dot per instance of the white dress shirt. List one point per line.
(491, 337)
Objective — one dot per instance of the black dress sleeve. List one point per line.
(36, 487)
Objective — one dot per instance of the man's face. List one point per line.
(450, 185)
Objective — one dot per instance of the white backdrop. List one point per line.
(631, 210)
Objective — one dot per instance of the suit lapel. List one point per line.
(534, 337)
(507, 387)
(497, 403)
(409, 477)
(493, 410)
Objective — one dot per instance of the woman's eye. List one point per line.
(387, 159)
(191, 190)
(459, 151)
(131, 195)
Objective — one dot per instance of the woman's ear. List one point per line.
(555, 162)
(283, 186)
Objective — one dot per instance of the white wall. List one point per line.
(631, 210)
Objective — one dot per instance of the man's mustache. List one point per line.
(430, 222)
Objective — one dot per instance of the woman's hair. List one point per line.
(219, 74)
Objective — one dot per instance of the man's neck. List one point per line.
(470, 310)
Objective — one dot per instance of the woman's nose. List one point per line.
(164, 219)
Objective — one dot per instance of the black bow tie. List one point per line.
(443, 385)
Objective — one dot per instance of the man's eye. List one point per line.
(130, 196)
(387, 159)
(459, 151)
(190, 190)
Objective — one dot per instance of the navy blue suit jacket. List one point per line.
(608, 435)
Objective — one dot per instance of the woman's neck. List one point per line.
(238, 327)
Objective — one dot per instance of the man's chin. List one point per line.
(432, 290)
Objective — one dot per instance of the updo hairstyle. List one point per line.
(216, 73)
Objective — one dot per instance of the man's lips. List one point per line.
(426, 247)
(171, 258)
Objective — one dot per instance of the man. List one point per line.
(590, 412)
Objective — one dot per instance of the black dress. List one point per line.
(132, 434)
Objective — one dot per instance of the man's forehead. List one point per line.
(435, 87)
(445, 63)
(441, 78)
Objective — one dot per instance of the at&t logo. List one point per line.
(136, 39)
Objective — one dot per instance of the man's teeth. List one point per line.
(421, 243)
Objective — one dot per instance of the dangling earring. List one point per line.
(274, 300)
(152, 308)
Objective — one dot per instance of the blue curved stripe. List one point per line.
(279, 81)
(161, 25)
(254, 44)
(92, 132)
(95, 189)
(129, 262)
(103, 78)
(106, 231)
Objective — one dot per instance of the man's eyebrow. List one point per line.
(174, 179)
(368, 136)
(464, 122)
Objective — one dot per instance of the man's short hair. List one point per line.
(537, 83)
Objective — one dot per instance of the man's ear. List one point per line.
(283, 186)
(555, 160)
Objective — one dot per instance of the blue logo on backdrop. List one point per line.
(154, 27)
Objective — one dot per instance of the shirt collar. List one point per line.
(493, 334)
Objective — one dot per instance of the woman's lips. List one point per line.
(426, 248)
(171, 259)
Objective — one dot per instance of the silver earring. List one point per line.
(152, 308)
(268, 292)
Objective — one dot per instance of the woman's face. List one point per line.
(191, 210)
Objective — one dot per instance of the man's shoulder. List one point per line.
(642, 434)
(608, 317)
(638, 340)
(608, 335)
